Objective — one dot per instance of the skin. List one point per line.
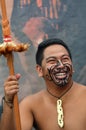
(39, 110)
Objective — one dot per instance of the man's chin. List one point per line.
(61, 83)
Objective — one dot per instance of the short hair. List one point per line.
(44, 44)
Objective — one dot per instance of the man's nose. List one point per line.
(59, 63)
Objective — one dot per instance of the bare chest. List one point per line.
(46, 116)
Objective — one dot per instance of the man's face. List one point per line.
(57, 65)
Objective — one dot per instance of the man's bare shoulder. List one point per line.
(33, 98)
(80, 89)
(81, 86)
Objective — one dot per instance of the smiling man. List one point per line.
(61, 105)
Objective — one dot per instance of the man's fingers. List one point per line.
(12, 87)
(10, 78)
(9, 84)
(12, 92)
(13, 77)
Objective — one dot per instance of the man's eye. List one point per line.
(65, 59)
(51, 61)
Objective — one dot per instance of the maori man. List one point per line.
(61, 105)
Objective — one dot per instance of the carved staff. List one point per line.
(6, 49)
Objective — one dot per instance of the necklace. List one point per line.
(60, 113)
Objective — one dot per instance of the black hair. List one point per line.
(44, 44)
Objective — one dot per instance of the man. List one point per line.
(61, 105)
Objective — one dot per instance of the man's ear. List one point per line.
(39, 70)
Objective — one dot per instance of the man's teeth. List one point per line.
(60, 74)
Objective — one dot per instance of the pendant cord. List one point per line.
(62, 93)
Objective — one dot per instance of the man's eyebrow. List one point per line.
(51, 57)
(65, 55)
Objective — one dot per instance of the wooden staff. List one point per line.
(6, 49)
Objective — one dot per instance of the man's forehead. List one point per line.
(55, 50)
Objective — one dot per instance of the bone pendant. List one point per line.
(60, 113)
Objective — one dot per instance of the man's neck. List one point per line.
(57, 91)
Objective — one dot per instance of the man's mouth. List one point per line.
(60, 75)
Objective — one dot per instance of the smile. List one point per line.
(60, 75)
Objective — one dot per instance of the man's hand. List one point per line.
(11, 86)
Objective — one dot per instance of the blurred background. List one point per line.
(31, 22)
